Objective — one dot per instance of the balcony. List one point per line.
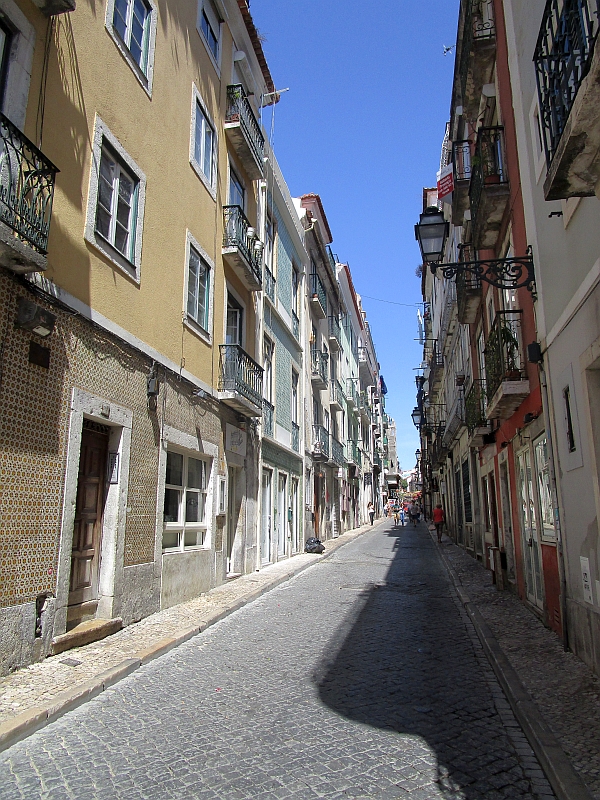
(455, 420)
(26, 193)
(351, 393)
(241, 380)
(477, 53)
(269, 285)
(318, 296)
(320, 448)
(295, 437)
(377, 464)
(353, 454)
(436, 366)
(475, 418)
(332, 259)
(242, 250)
(439, 450)
(505, 377)
(567, 63)
(268, 418)
(337, 452)
(335, 335)
(319, 369)
(337, 397)
(461, 158)
(364, 408)
(468, 289)
(295, 326)
(489, 189)
(365, 367)
(243, 131)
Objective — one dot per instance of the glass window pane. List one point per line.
(121, 238)
(198, 140)
(192, 509)
(192, 538)
(195, 473)
(192, 304)
(208, 149)
(171, 507)
(103, 222)
(170, 540)
(119, 18)
(175, 469)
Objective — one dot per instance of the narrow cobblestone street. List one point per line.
(362, 677)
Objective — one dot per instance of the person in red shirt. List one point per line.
(438, 520)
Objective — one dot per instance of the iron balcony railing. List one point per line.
(475, 405)
(269, 285)
(479, 27)
(321, 440)
(461, 158)
(239, 110)
(488, 167)
(337, 393)
(351, 393)
(439, 449)
(376, 460)
(435, 359)
(240, 373)
(363, 404)
(503, 352)
(239, 233)
(26, 187)
(318, 290)
(320, 363)
(562, 59)
(332, 258)
(467, 283)
(354, 455)
(335, 332)
(295, 325)
(295, 437)
(268, 415)
(337, 452)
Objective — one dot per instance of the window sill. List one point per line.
(144, 79)
(210, 187)
(197, 329)
(115, 256)
(210, 54)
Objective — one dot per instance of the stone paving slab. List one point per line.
(556, 683)
(33, 696)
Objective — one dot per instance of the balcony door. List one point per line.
(266, 517)
(235, 320)
(532, 557)
(282, 507)
(237, 193)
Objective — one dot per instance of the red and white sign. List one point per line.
(445, 181)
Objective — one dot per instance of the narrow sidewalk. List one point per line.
(36, 695)
(564, 689)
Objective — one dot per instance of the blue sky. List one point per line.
(362, 126)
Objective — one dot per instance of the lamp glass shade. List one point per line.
(431, 232)
(416, 416)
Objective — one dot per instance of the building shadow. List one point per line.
(403, 662)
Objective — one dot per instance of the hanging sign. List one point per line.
(445, 182)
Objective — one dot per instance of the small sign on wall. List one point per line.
(586, 579)
(235, 440)
(113, 468)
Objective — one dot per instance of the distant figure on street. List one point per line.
(396, 510)
(413, 512)
(402, 515)
(439, 518)
(371, 512)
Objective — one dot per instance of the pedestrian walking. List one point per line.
(371, 512)
(413, 512)
(439, 517)
(402, 515)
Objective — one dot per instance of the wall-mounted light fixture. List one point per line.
(34, 318)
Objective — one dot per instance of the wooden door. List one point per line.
(87, 532)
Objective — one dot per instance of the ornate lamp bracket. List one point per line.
(505, 273)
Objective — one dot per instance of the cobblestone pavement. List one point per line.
(362, 677)
(564, 688)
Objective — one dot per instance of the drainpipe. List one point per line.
(559, 539)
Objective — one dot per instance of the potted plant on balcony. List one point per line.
(510, 345)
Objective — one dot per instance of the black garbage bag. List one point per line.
(314, 546)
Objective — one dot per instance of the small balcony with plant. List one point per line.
(477, 423)
(567, 64)
(27, 180)
(240, 381)
(489, 189)
(476, 52)
(468, 289)
(337, 398)
(242, 249)
(243, 131)
(505, 376)
(317, 296)
(319, 369)
(320, 448)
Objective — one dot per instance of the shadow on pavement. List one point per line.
(405, 663)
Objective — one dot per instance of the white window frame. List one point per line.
(210, 182)
(189, 321)
(130, 267)
(181, 527)
(143, 76)
(213, 23)
(20, 58)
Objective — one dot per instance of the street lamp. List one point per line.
(420, 381)
(431, 233)
(417, 454)
(416, 416)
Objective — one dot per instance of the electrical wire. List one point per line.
(392, 302)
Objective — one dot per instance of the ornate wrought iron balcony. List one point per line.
(241, 248)
(337, 452)
(241, 380)
(488, 190)
(269, 285)
(268, 416)
(320, 443)
(567, 64)
(505, 377)
(319, 369)
(318, 296)
(296, 437)
(242, 128)
(26, 192)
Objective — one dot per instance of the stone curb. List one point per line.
(32, 719)
(564, 780)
